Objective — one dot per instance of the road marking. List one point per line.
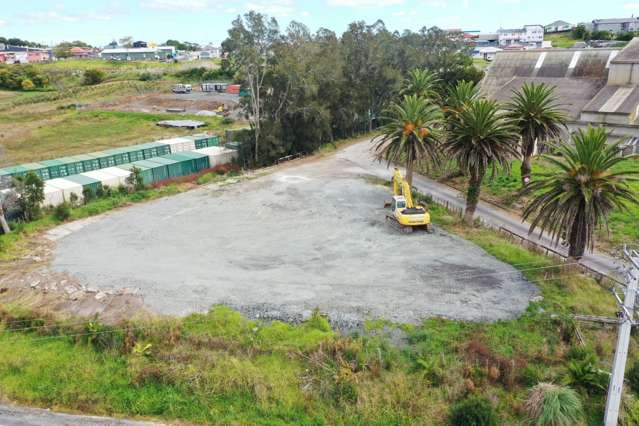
(574, 60)
(541, 59)
(616, 99)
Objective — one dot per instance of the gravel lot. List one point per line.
(311, 235)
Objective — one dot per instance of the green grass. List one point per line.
(74, 132)
(480, 63)
(561, 40)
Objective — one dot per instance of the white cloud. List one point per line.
(272, 7)
(3, 23)
(37, 17)
(399, 13)
(185, 5)
(631, 6)
(508, 1)
(365, 3)
(305, 13)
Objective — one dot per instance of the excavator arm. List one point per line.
(401, 187)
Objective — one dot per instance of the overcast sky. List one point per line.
(100, 21)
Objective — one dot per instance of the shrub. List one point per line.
(27, 84)
(226, 121)
(473, 411)
(73, 199)
(135, 179)
(633, 377)
(123, 190)
(585, 374)
(88, 194)
(30, 190)
(62, 211)
(552, 405)
(93, 76)
(146, 76)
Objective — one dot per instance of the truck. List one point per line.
(181, 88)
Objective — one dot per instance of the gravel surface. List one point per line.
(310, 235)
(18, 416)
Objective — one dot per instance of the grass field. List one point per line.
(561, 40)
(225, 369)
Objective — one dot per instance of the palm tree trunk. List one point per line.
(526, 166)
(577, 238)
(409, 170)
(472, 197)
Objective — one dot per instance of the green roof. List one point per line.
(56, 162)
(34, 166)
(130, 166)
(161, 160)
(82, 179)
(193, 155)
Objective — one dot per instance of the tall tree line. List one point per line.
(307, 89)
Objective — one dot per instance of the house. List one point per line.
(80, 52)
(138, 54)
(23, 54)
(138, 44)
(483, 41)
(488, 53)
(528, 36)
(210, 52)
(616, 25)
(558, 26)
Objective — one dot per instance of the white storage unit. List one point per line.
(66, 188)
(218, 155)
(119, 173)
(105, 178)
(179, 144)
(52, 195)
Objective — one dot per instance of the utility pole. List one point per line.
(615, 388)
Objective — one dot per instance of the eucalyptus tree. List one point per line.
(573, 200)
(481, 137)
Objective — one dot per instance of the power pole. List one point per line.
(623, 339)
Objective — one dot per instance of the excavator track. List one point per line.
(390, 219)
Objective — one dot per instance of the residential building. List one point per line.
(80, 52)
(138, 54)
(616, 25)
(528, 36)
(210, 51)
(23, 55)
(558, 26)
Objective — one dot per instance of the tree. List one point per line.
(459, 97)
(412, 133)
(579, 32)
(535, 111)
(135, 180)
(63, 49)
(27, 84)
(250, 45)
(126, 41)
(423, 84)
(93, 76)
(576, 198)
(30, 190)
(481, 138)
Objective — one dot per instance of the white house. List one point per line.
(558, 26)
(528, 36)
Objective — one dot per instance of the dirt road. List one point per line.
(18, 416)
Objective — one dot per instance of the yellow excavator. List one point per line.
(405, 215)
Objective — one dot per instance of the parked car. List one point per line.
(182, 88)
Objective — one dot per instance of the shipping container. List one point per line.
(179, 144)
(53, 195)
(145, 171)
(88, 183)
(105, 179)
(56, 168)
(218, 155)
(173, 166)
(188, 163)
(66, 188)
(39, 169)
(118, 173)
(201, 161)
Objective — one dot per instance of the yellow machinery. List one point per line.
(404, 213)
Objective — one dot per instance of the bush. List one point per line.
(147, 76)
(62, 211)
(123, 190)
(633, 377)
(88, 194)
(473, 411)
(135, 179)
(552, 405)
(30, 190)
(27, 84)
(93, 76)
(584, 373)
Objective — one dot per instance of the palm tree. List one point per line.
(411, 133)
(571, 202)
(423, 84)
(459, 96)
(539, 118)
(481, 138)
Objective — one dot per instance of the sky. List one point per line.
(97, 22)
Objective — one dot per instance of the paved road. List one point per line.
(18, 416)
(492, 215)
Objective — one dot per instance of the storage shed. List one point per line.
(118, 173)
(179, 144)
(105, 179)
(191, 162)
(88, 183)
